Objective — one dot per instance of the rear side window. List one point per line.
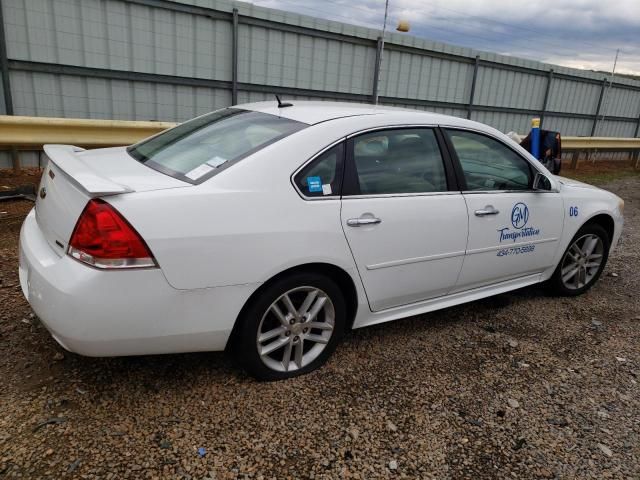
(398, 161)
(198, 149)
(323, 176)
(488, 164)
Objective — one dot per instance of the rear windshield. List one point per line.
(198, 149)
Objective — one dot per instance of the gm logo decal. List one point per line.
(519, 220)
(519, 215)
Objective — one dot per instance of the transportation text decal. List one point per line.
(519, 220)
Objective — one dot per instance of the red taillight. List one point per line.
(104, 239)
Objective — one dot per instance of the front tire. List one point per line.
(291, 328)
(583, 261)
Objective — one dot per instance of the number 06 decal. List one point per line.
(573, 211)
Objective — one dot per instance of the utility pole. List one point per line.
(384, 29)
(613, 72)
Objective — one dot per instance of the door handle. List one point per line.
(359, 222)
(488, 210)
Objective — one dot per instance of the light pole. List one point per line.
(604, 101)
(403, 26)
(384, 29)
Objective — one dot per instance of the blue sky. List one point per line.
(574, 33)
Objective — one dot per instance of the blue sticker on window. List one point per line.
(314, 184)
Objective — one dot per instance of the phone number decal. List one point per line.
(516, 250)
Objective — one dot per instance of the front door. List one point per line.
(406, 229)
(513, 230)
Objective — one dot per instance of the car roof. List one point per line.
(313, 112)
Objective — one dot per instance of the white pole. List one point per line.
(384, 29)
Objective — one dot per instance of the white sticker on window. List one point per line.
(216, 161)
(326, 189)
(198, 172)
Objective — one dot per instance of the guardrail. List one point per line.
(31, 133)
(590, 145)
(600, 143)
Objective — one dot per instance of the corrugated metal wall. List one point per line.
(172, 60)
(287, 59)
(505, 88)
(55, 95)
(407, 75)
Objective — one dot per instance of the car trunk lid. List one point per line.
(73, 176)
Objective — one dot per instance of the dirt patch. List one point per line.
(600, 171)
(522, 385)
(27, 176)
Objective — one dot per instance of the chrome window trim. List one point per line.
(409, 194)
(344, 139)
(391, 195)
(501, 141)
(417, 125)
(307, 162)
(392, 127)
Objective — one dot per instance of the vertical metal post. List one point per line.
(635, 156)
(6, 86)
(473, 86)
(574, 159)
(376, 71)
(4, 67)
(595, 119)
(15, 159)
(234, 58)
(546, 97)
(605, 97)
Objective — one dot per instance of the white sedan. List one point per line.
(269, 229)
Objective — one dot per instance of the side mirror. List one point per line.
(541, 182)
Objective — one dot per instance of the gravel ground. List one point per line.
(518, 386)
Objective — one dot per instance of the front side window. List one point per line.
(323, 176)
(404, 160)
(197, 149)
(488, 164)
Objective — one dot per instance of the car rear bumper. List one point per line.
(111, 313)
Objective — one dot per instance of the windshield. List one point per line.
(198, 149)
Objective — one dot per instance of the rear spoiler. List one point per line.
(65, 158)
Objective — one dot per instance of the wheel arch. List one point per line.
(340, 276)
(605, 221)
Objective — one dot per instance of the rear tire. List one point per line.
(291, 328)
(582, 263)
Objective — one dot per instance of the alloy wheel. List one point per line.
(295, 329)
(582, 261)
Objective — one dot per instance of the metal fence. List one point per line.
(172, 60)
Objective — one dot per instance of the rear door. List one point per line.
(513, 230)
(405, 222)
